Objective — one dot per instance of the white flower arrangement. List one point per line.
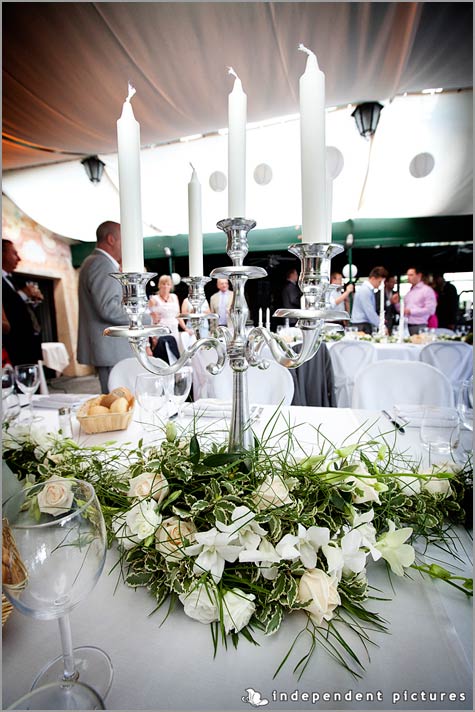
(242, 541)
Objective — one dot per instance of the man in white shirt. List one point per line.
(221, 302)
(100, 305)
(364, 314)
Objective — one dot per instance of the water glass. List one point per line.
(179, 388)
(440, 430)
(465, 403)
(152, 393)
(74, 695)
(27, 378)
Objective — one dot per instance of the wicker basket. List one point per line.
(7, 608)
(103, 423)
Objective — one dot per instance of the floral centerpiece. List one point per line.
(242, 541)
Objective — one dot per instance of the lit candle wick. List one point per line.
(131, 93)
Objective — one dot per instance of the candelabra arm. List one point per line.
(281, 351)
(139, 348)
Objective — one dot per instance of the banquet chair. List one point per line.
(453, 358)
(440, 331)
(271, 386)
(384, 384)
(347, 358)
(126, 371)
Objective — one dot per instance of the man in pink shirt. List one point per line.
(419, 303)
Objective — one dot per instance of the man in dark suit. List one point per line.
(100, 305)
(20, 327)
(291, 293)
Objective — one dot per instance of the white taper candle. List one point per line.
(237, 113)
(128, 147)
(195, 233)
(312, 148)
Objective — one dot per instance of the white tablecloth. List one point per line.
(402, 352)
(55, 355)
(171, 667)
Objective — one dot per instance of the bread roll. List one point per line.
(122, 392)
(107, 400)
(98, 410)
(120, 405)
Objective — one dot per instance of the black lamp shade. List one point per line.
(94, 168)
(367, 117)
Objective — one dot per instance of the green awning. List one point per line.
(387, 232)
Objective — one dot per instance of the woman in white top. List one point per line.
(165, 307)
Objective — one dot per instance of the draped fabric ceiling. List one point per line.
(65, 73)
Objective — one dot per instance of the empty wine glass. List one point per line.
(179, 388)
(440, 430)
(52, 696)
(152, 393)
(465, 403)
(27, 378)
(53, 552)
(10, 401)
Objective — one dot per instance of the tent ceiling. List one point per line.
(66, 65)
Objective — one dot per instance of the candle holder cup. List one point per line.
(242, 349)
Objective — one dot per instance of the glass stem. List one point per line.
(69, 670)
(30, 405)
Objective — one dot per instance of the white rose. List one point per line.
(143, 520)
(200, 604)
(408, 484)
(437, 486)
(322, 590)
(148, 484)
(15, 436)
(122, 532)
(238, 609)
(170, 538)
(272, 493)
(56, 496)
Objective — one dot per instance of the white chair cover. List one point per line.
(444, 332)
(267, 387)
(453, 358)
(126, 371)
(384, 383)
(347, 358)
(43, 385)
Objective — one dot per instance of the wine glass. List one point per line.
(10, 401)
(8, 380)
(53, 552)
(152, 393)
(27, 378)
(179, 388)
(440, 430)
(52, 697)
(465, 403)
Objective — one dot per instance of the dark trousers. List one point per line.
(103, 373)
(364, 326)
(160, 350)
(416, 328)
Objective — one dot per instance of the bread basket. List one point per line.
(104, 422)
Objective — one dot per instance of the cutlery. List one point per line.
(399, 426)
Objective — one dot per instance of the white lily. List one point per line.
(213, 549)
(243, 525)
(362, 524)
(346, 558)
(392, 548)
(265, 556)
(305, 545)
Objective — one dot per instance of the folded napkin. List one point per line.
(208, 408)
(211, 408)
(60, 400)
(408, 412)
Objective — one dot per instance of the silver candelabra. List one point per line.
(241, 349)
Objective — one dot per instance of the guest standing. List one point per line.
(100, 305)
(21, 330)
(164, 309)
(447, 303)
(364, 314)
(340, 301)
(221, 302)
(419, 303)
(291, 294)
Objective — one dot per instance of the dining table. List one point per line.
(163, 660)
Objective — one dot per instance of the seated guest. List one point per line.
(364, 315)
(419, 303)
